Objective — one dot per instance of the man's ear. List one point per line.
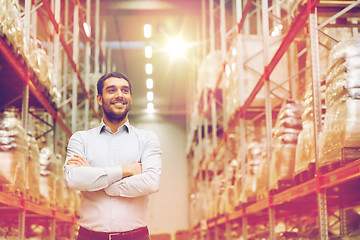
(99, 99)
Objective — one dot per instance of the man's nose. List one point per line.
(119, 93)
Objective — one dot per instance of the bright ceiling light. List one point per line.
(277, 30)
(227, 70)
(148, 68)
(233, 51)
(150, 96)
(149, 83)
(148, 51)
(176, 47)
(150, 107)
(147, 31)
(86, 29)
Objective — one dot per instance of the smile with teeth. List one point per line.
(119, 103)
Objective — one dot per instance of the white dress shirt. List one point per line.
(111, 203)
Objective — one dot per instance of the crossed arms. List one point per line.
(128, 180)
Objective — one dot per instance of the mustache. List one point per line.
(119, 100)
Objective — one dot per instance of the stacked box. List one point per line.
(48, 177)
(341, 126)
(13, 154)
(285, 136)
(32, 169)
(255, 161)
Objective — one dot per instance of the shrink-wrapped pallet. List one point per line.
(10, 14)
(285, 136)
(341, 127)
(232, 176)
(305, 150)
(32, 169)
(254, 162)
(262, 178)
(13, 154)
(60, 183)
(48, 177)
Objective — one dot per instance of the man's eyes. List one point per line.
(112, 90)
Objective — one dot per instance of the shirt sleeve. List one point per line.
(149, 180)
(87, 178)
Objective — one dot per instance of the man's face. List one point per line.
(116, 99)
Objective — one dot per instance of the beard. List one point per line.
(114, 116)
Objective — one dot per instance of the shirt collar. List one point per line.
(103, 126)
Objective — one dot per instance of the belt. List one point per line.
(132, 234)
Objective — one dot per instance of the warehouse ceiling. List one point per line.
(125, 34)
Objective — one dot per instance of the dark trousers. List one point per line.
(136, 234)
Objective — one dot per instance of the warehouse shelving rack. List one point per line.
(315, 189)
(77, 102)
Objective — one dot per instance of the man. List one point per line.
(115, 166)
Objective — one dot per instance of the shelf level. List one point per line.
(23, 74)
(349, 172)
(27, 206)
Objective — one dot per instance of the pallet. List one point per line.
(262, 196)
(348, 154)
(282, 185)
(305, 175)
(12, 190)
(33, 198)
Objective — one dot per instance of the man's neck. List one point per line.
(113, 124)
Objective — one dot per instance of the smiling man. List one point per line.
(115, 166)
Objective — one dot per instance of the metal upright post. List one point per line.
(241, 84)
(65, 77)
(108, 58)
(223, 55)
(212, 26)
(268, 108)
(52, 229)
(21, 226)
(57, 67)
(74, 111)
(203, 27)
(57, 61)
(213, 122)
(97, 50)
(25, 105)
(103, 46)
(243, 144)
(315, 60)
(87, 63)
(26, 47)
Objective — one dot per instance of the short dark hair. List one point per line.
(100, 82)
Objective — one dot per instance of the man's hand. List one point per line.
(78, 161)
(131, 169)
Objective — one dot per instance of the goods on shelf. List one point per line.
(252, 56)
(11, 25)
(341, 126)
(285, 136)
(13, 154)
(50, 178)
(232, 95)
(255, 159)
(33, 170)
(305, 151)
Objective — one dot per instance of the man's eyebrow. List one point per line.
(114, 86)
(111, 86)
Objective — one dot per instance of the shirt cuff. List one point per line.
(114, 173)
